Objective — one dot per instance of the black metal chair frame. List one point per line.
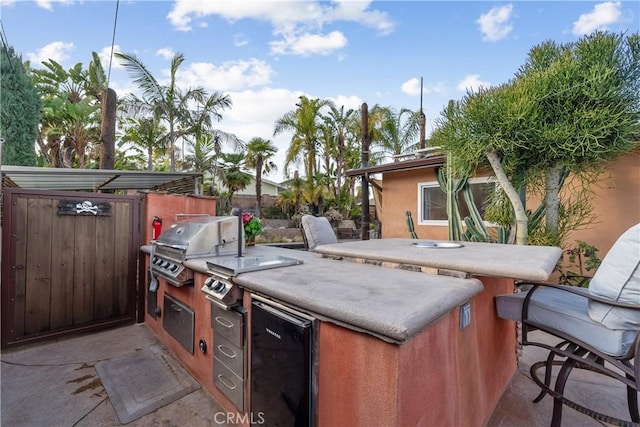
(581, 355)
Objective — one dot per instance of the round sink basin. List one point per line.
(437, 245)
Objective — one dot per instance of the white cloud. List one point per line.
(166, 52)
(240, 40)
(309, 44)
(48, 4)
(308, 13)
(298, 23)
(5, 3)
(603, 15)
(58, 51)
(472, 82)
(232, 75)
(495, 24)
(348, 102)
(246, 121)
(105, 57)
(412, 87)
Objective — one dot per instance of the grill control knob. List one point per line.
(166, 264)
(174, 267)
(209, 281)
(219, 287)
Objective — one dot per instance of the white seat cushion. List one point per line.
(567, 313)
(618, 279)
(318, 231)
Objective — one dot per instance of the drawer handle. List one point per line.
(227, 351)
(176, 307)
(224, 322)
(223, 380)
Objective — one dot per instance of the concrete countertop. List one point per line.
(391, 304)
(485, 259)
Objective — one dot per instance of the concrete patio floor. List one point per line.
(56, 384)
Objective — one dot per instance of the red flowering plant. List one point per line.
(252, 225)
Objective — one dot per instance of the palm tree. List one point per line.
(70, 112)
(207, 142)
(259, 153)
(145, 134)
(305, 123)
(168, 102)
(342, 125)
(204, 158)
(231, 173)
(395, 133)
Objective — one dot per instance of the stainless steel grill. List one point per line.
(197, 237)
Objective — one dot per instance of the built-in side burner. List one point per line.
(236, 265)
(219, 288)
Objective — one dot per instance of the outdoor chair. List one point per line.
(316, 231)
(598, 326)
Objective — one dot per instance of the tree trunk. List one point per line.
(259, 188)
(172, 148)
(150, 158)
(108, 131)
(514, 198)
(339, 169)
(551, 199)
(364, 124)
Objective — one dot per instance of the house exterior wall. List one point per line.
(616, 203)
(400, 193)
(268, 188)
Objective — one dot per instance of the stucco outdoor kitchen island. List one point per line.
(391, 347)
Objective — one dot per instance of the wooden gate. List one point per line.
(69, 263)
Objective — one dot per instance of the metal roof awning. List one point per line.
(94, 179)
(424, 162)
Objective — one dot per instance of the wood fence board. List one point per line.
(20, 266)
(123, 236)
(105, 240)
(84, 269)
(62, 260)
(38, 277)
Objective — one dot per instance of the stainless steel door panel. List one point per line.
(178, 321)
(228, 383)
(231, 355)
(228, 324)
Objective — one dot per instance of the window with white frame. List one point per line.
(432, 201)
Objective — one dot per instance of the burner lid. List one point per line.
(235, 265)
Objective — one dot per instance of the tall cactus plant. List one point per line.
(452, 187)
(471, 228)
(412, 230)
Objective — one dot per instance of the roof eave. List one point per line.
(426, 162)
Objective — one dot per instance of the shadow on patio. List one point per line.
(56, 383)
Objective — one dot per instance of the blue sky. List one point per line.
(265, 54)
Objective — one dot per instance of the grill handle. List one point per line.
(178, 247)
(218, 303)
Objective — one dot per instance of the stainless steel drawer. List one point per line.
(229, 354)
(228, 383)
(178, 321)
(228, 324)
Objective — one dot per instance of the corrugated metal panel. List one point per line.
(93, 179)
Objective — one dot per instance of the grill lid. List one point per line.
(199, 237)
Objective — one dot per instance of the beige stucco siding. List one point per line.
(616, 203)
